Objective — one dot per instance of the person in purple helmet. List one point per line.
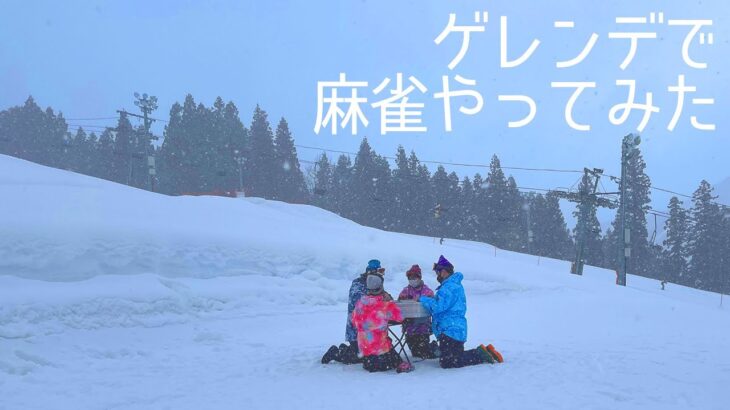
(448, 316)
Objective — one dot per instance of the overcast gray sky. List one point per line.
(86, 58)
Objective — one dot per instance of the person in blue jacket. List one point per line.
(448, 320)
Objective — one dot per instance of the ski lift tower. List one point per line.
(585, 198)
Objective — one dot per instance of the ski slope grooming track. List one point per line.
(117, 298)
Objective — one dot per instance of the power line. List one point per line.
(617, 179)
(448, 163)
(90, 119)
(107, 118)
(88, 131)
(658, 214)
(670, 192)
(577, 181)
(503, 167)
(534, 189)
(326, 150)
(89, 126)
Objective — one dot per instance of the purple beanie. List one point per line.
(443, 263)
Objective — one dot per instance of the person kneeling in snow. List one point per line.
(448, 313)
(348, 353)
(371, 316)
(418, 331)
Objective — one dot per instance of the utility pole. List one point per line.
(147, 104)
(526, 208)
(585, 198)
(239, 160)
(437, 211)
(628, 151)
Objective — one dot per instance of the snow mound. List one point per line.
(97, 253)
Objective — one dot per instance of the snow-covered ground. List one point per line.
(116, 298)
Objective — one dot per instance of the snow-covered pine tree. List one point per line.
(172, 162)
(233, 146)
(91, 162)
(424, 197)
(480, 208)
(383, 194)
(725, 253)
(341, 200)
(406, 187)
(675, 244)
(104, 155)
(468, 224)
(183, 161)
(32, 134)
(77, 158)
(370, 188)
(551, 236)
(515, 222)
(122, 165)
(639, 199)
(224, 139)
(454, 201)
(442, 217)
(289, 185)
(705, 244)
(497, 214)
(260, 173)
(322, 194)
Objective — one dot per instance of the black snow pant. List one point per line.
(420, 347)
(348, 354)
(454, 355)
(383, 362)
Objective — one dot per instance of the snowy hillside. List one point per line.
(113, 297)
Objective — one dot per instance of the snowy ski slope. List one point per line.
(117, 298)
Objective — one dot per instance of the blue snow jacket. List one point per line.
(448, 308)
(357, 290)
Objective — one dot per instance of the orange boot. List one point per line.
(488, 358)
(497, 356)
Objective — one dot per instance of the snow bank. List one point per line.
(81, 252)
(30, 308)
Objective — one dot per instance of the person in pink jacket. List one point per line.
(418, 331)
(371, 316)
